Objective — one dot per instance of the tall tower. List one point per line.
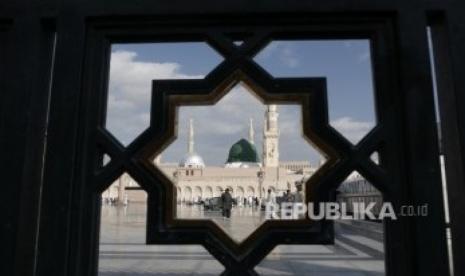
(251, 132)
(190, 145)
(271, 137)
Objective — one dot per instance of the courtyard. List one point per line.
(123, 250)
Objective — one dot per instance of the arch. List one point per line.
(250, 191)
(197, 193)
(187, 194)
(218, 191)
(178, 194)
(208, 192)
(240, 192)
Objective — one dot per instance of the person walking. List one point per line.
(288, 197)
(227, 202)
(271, 200)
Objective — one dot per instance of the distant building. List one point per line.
(244, 173)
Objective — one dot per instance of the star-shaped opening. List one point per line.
(254, 150)
(299, 92)
(139, 156)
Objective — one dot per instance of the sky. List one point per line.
(345, 63)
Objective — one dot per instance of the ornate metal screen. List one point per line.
(404, 137)
(238, 66)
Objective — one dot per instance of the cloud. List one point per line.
(348, 43)
(288, 57)
(269, 50)
(363, 57)
(352, 129)
(290, 128)
(283, 51)
(218, 126)
(130, 92)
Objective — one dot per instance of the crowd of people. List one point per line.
(227, 201)
(115, 201)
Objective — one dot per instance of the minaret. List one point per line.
(271, 137)
(190, 145)
(251, 132)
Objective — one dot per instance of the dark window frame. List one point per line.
(59, 196)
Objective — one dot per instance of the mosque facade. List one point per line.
(244, 173)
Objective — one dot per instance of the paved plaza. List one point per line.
(123, 252)
(243, 222)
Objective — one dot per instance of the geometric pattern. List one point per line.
(238, 67)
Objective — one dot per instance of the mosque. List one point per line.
(244, 172)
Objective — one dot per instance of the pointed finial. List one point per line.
(251, 132)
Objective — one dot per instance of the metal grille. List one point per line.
(67, 189)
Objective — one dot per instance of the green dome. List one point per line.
(243, 151)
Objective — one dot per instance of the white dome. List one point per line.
(192, 160)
